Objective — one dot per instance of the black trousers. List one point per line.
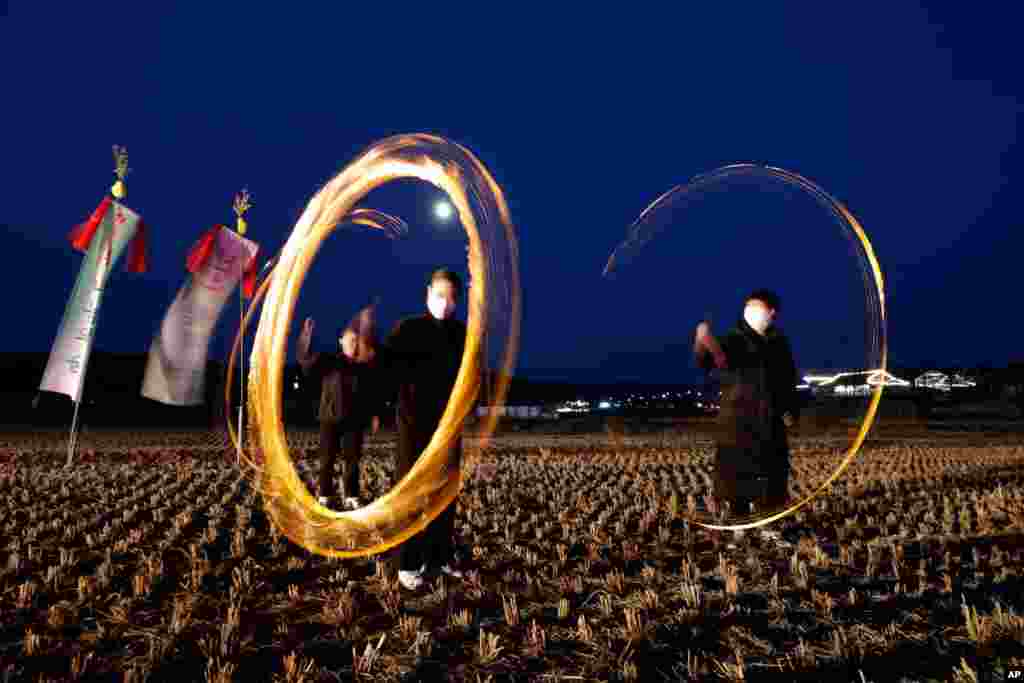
(434, 546)
(768, 492)
(343, 437)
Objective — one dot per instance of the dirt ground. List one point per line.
(152, 559)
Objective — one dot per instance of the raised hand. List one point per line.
(705, 341)
(305, 338)
(703, 332)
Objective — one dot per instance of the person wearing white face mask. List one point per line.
(424, 354)
(759, 402)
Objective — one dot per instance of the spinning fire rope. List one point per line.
(494, 290)
(643, 230)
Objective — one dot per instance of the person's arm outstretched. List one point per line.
(707, 351)
(314, 365)
(302, 354)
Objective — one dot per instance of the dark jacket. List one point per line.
(758, 387)
(351, 392)
(423, 356)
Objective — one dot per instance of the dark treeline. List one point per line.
(111, 395)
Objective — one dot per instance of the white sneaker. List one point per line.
(776, 538)
(323, 500)
(353, 503)
(411, 580)
(449, 571)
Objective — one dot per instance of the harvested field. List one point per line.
(152, 560)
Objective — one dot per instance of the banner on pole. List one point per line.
(103, 238)
(176, 365)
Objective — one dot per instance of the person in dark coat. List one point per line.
(424, 354)
(351, 400)
(759, 402)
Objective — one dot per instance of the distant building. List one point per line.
(521, 412)
(851, 383)
(577, 406)
(940, 381)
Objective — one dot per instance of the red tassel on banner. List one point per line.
(249, 283)
(81, 235)
(202, 249)
(137, 250)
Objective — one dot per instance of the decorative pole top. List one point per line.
(241, 205)
(121, 170)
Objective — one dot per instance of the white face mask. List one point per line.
(439, 307)
(757, 317)
(347, 343)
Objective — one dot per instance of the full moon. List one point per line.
(443, 210)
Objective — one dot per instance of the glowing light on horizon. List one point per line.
(875, 378)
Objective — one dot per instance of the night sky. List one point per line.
(909, 114)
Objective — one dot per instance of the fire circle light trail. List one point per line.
(643, 231)
(493, 303)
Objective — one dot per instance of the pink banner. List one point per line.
(176, 367)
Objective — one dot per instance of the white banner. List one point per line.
(176, 367)
(64, 372)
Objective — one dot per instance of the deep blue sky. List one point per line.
(908, 113)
